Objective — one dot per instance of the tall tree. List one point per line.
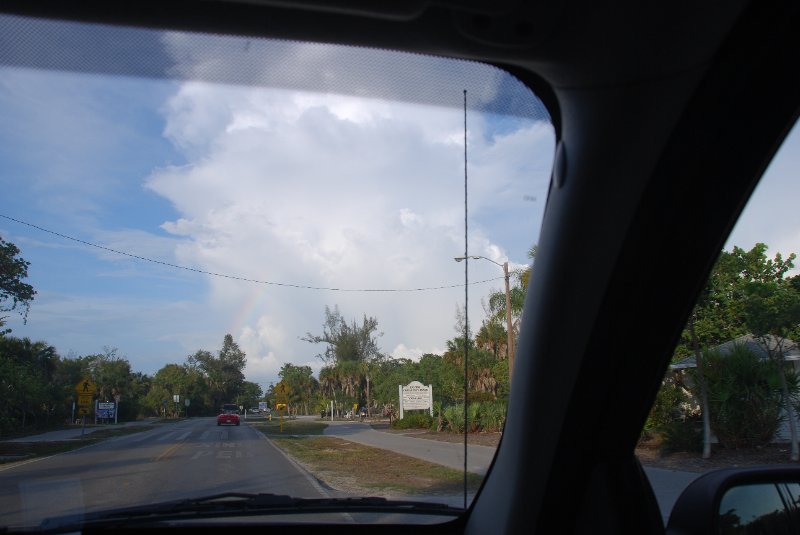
(14, 294)
(773, 315)
(721, 312)
(716, 318)
(492, 336)
(181, 379)
(302, 384)
(525, 274)
(346, 341)
(26, 371)
(112, 374)
(249, 394)
(497, 299)
(496, 309)
(223, 373)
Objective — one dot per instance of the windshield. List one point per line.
(239, 266)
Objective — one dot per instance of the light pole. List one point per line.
(509, 328)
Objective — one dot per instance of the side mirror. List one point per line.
(740, 501)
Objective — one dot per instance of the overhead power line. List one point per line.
(236, 277)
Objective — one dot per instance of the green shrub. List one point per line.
(682, 435)
(438, 421)
(415, 420)
(492, 416)
(488, 416)
(454, 418)
(473, 419)
(744, 396)
(480, 397)
(668, 406)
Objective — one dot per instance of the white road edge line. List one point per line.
(311, 479)
(9, 466)
(15, 464)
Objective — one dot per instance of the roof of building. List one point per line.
(757, 345)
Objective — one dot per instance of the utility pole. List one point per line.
(509, 325)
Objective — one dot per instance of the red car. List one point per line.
(228, 417)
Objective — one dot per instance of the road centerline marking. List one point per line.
(169, 451)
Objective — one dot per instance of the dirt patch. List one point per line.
(720, 458)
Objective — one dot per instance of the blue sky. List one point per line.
(299, 187)
(771, 214)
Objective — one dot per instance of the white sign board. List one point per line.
(415, 396)
(106, 410)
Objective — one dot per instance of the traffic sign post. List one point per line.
(282, 392)
(281, 407)
(85, 390)
(86, 386)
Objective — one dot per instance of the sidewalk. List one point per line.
(445, 453)
(74, 433)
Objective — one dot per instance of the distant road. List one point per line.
(192, 458)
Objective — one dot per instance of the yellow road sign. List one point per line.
(83, 411)
(282, 392)
(86, 386)
(85, 399)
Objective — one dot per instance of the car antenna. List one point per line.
(466, 302)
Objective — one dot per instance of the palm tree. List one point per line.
(492, 336)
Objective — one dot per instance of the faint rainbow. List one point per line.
(246, 312)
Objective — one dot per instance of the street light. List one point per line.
(509, 329)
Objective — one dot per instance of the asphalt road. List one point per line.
(192, 458)
(195, 458)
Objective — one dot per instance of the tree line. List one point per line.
(739, 386)
(355, 373)
(39, 383)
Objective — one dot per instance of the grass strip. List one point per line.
(355, 468)
(18, 451)
(290, 427)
